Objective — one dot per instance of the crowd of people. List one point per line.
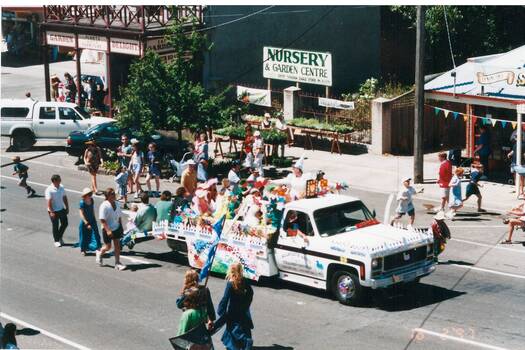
(92, 92)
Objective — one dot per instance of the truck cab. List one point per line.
(335, 243)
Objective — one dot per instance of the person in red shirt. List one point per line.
(444, 177)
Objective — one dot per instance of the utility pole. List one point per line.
(420, 96)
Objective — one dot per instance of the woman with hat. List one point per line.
(88, 228)
(296, 181)
(92, 160)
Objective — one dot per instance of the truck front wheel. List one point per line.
(22, 141)
(347, 289)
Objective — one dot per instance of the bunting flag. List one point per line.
(484, 120)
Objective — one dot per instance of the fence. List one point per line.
(439, 133)
(359, 119)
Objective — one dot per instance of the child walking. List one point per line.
(474, 185)
(455, 202)
(21, 169)
(121, 179)
(405, 204)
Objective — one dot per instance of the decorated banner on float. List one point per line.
(226, 255)
(258, 97)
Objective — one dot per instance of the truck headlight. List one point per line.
(377, 263)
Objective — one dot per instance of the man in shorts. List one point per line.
(444, 177)
(111, 219)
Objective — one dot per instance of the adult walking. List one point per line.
(136, 163)
(444, 177)
(200, 156)
(57, 208)
(111, 219)
(234, 311)
(93, 160)
(153, 168)
(87, 227)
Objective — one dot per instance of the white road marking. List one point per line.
(46, 185)
(476, 226)
(135, 260)
(489, 271)
(489, 245)
(458, 339)
(44, 332)
(42, 163)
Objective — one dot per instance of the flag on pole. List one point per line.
(213, 249)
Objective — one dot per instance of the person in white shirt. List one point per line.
(58, 208)
(233, 175)
(404, 202)
(258, 152)
(111, 219)
(296, 181)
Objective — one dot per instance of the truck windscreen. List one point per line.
(340, 218)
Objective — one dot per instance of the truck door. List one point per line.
(69, 121)
(291, 251)
(45, 122)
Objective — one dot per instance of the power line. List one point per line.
(449, 41)
(234, 20)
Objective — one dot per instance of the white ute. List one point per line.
(26, 121)
(346, 250)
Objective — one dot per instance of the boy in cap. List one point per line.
(474, 185)
(21, 170)
(404, 202)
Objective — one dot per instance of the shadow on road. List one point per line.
(278, 284)
(169, 257)
(419, 295)
(27, 331)
(49, 149)
(138, 267)
(273, 347)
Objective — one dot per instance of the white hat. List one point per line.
(299, 163)
(254, 190)
(257, 133)
(191, 162)
(86, 191)
(133, 141)
(407, 178)
(440, 215)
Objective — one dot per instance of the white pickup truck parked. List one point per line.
(26, 121)
(344, 250)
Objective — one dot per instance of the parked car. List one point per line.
(27, 121)
(107, 136)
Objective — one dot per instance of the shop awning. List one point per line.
(495, 80)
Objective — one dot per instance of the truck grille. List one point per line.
(405, 258)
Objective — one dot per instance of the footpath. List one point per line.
(384, 173)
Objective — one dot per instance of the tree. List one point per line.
(474, 31)
(169, 95)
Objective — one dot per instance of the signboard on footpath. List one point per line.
(258, 97)
(331, 103)
(297, 65)
(60, 39)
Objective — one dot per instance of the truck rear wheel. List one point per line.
(23, 141)
(347, 289)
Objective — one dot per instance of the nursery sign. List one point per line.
(297, 65)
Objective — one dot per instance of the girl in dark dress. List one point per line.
(234, 311)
